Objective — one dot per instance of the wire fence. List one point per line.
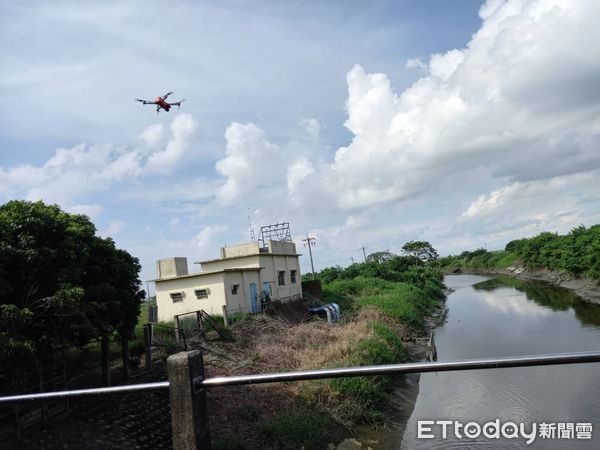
(359, 371)
(187, 387)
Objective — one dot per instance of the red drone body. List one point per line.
(161, 102)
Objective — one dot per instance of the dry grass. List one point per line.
(268, 344)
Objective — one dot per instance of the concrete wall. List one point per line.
(271, 265)
(282, 247)
(242, 300)
(167, 309)
(250, 248)
(171, 267)
(235, 263)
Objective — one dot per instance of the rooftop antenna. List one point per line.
(250, 228)
(274, 232)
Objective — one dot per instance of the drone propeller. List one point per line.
(167, 94)
(179, 103)
(139, 100)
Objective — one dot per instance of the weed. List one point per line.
(229, 442)
(298, 429)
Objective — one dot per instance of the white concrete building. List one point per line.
(240, 279)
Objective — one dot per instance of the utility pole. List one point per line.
(309, 242)
(352, 258)
(364, 254)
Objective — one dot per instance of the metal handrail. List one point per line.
(386, 369)
(88, 391)
(389, 369)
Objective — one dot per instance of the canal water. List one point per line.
(496, 317)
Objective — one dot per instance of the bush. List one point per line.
(298, 429)
(230, 442)
(371, 394)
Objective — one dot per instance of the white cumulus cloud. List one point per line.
(514, 96)
(72, 173)
(311, 126)
(164, 161)
(251, 161)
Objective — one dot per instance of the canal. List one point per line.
(489, 317)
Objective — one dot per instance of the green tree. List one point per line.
(380, 256)
(113, 295)
(60, 285)
(421, 249)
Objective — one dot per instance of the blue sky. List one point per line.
(460, 122)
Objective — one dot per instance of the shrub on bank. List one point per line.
(371, 394)
(577, 253)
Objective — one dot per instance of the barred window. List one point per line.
(201, 293)
(177, 297)
(281, 278)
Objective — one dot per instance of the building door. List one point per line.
(254, 303)
(267, 291)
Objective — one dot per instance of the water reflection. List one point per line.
(509, 317)
(545, 294)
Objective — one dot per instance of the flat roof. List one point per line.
(199, 274)
(246, 256)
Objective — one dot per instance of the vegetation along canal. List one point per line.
(507, 317)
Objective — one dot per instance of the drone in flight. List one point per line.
(161, 102)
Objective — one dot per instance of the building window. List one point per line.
(293, 276)
(281, 278)
(201, 293)
(234, 288)
(177, 297)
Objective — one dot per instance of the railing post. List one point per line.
(225, 320)
(199, 320)
(189, 416)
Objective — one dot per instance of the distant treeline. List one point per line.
(577, 253)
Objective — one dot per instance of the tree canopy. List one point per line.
(60, 284)
(420, 249)
(380, 256)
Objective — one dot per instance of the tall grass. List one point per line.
(398, 304)
(402, 302)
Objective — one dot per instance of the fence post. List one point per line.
(148, 344)
(225, 316)
(189, 416)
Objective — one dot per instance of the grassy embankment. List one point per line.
(576, 254)
(383, 303)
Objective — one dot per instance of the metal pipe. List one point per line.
(89, 391)
(388, 369)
